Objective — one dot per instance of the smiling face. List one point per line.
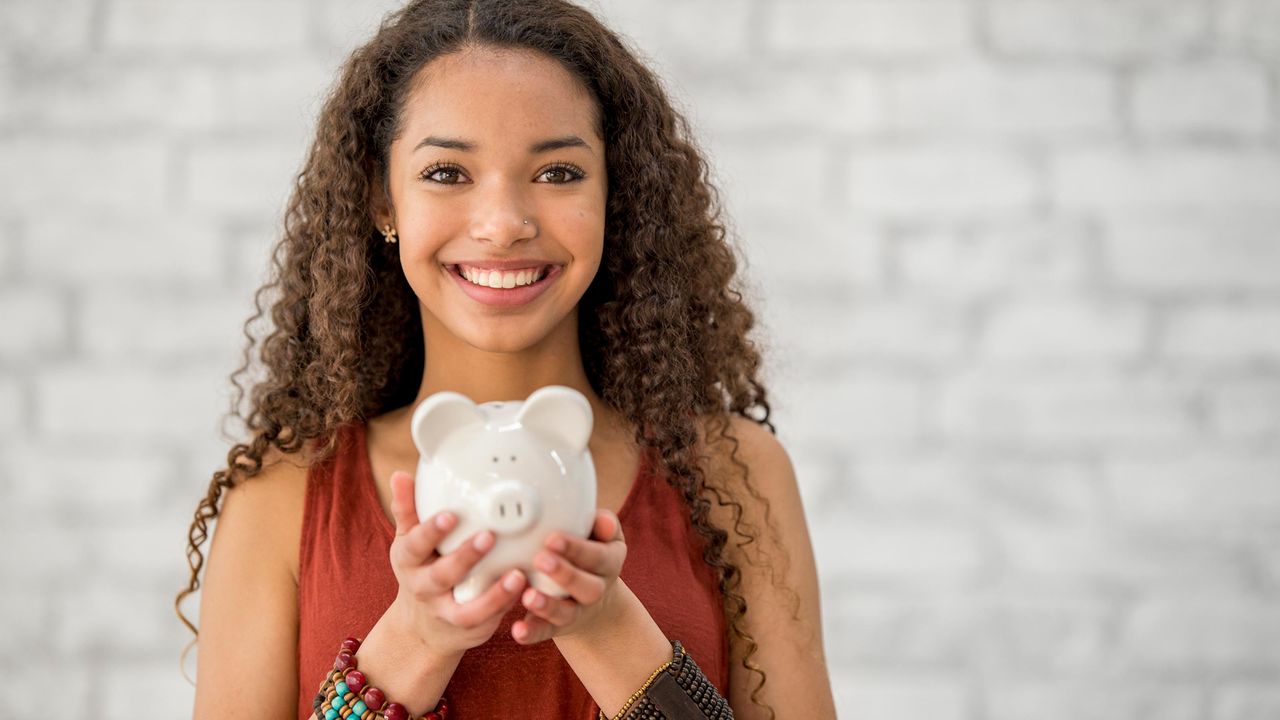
(492, 138)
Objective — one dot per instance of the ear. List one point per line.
(560, 412)
(438, 417)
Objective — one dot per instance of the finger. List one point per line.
(450, 569)
(599, 557)
(419, 544)
(608, 527)
(495, 600)
(556, 611)
(531, 629)
(583, 586)
(403, 504)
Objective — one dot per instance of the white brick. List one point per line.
(168, 694)
(897, 552)
(39, 550)
(1251, 26)
(231, 27)
(102, 614)
(1220, 97)
(242, 180)
(105, 96)
(109, 402)
(27, 614)
(868, 407)
(1202, 633)
(1244, 700)
(1077, 409)
(1166, 180)
(91, 481)
(987, 488)
(39, 27)
(945, 181)
(125, 176)
(1024, 255)
(888, 331)
(1064, 331)
(874, 28)
(1091, 698)
(1222, 251)
(1040, 631)
(840, 102)
(716, 30)
(151, 552)
(911, 694)
(1196, 487)
(343, 24)
(1099, 557)
(1224, 333)
(789, 178)
(1000, 99)
(1098, 29)
(789, 249)
(119, 325)
(12, 405)
(150, 249)
(1245, 408)
(284, 95)
(35, 323)
(63, 681)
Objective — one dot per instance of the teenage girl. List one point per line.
(500, 197)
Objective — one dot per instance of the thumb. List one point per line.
(403, 504)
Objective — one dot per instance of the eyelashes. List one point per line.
(569, 170)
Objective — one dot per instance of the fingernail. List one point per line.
(442, 520)
(557, 543)
(539, 601)
(483, 540)
(512, 583)
(545, 562)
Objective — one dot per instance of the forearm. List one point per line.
(402, 667)
(614, 661)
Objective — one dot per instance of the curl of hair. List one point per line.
(663, 331)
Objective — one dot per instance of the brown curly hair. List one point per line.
(662, 329)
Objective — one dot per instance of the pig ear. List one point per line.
(439, 416)
(560, 412)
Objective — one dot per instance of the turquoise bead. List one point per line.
(330, 714)
(339, 702)
(359, 708)
(342, 688)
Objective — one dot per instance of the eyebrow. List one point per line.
(541, 146)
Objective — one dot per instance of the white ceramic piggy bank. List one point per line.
(520, 469)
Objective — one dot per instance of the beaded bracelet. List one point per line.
(346, 693)
(677, 650)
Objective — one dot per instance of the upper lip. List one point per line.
(515, 264)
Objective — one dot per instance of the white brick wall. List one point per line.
(1017, 263)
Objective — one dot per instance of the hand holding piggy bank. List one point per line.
(520, 469)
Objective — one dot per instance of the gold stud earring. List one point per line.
(389, 233)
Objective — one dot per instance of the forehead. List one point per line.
(498, 95)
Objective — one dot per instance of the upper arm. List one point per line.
(786, 627)
(248, 631)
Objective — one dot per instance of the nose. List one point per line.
(511, 507)
(504, 226)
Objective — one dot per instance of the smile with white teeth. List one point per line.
(501, 278)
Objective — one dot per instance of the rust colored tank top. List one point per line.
(346, 584)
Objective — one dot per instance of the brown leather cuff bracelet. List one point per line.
(680, 692)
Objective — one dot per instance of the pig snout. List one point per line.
(511, 507)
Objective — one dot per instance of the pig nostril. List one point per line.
(513, 458)
(519, 510)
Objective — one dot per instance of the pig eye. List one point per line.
(513, 458)
(495, 458)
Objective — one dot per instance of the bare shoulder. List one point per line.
(779, 574)
(250, 590)
(275, 498)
